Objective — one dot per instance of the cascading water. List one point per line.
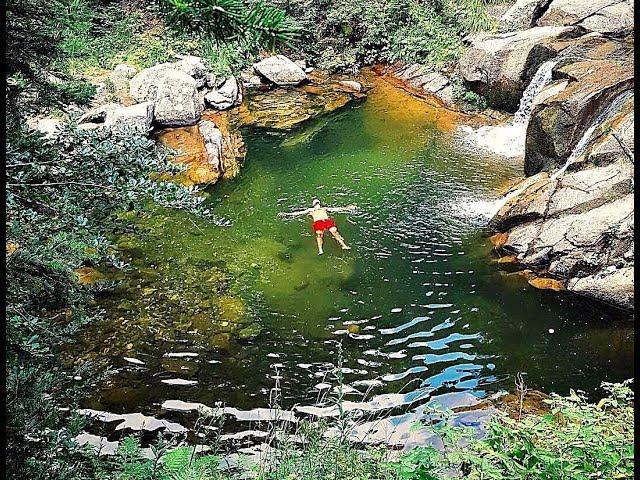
(541, 78)
(509, 139)
(491, 208)
(586, 136)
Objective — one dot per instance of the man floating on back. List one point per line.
(322, 222)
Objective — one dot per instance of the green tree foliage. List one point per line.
(343, 34)
(257, 24)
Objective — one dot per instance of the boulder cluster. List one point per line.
(571, 219)
(175, 95)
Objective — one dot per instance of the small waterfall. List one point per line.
(492, 208)
(586, 136)
(509, 139)
(541, 78)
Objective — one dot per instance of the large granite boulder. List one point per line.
(604, 16)
(144, 86)
(500, 66)
(121, 75)
(194, 67)
(177, 102)
(280, 70)
(577, 225)
(49, 127)
(559, 122)
(593, 46)
(522, 15)
(134, 117)
(611, 285)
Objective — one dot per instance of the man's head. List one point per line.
(315, 202)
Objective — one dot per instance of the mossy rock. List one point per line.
(231, 309)
(353, 328)
(221, 341)
(250, 331)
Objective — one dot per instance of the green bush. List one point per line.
(467, 99)
(60, 200)
(575, 440)
(343, 35)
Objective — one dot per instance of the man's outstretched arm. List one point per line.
(348, 208)
(306, 211)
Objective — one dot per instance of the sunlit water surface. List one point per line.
(434, 311)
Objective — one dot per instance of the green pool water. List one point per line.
(434, 311)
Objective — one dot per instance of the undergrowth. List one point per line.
(574, 440)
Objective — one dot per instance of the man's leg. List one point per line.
(339, 239)
(319, 235)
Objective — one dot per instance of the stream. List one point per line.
(210, 313)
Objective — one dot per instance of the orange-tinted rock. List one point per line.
(353, 328)
(508, 259)
(189, 144)
(233, 149)
(499, 239)
(284, 108)
(547, 284)
(189, 147)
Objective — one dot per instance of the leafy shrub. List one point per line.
(575, 440)
(341, 35)
(60, 200)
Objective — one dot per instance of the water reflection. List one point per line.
(419, 308)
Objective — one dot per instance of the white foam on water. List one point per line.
(508, 139)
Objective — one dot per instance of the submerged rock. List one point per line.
(283, 109)
(351, 85)
(251, 331)
(547, 284)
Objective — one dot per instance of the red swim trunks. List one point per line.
(322, 225)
